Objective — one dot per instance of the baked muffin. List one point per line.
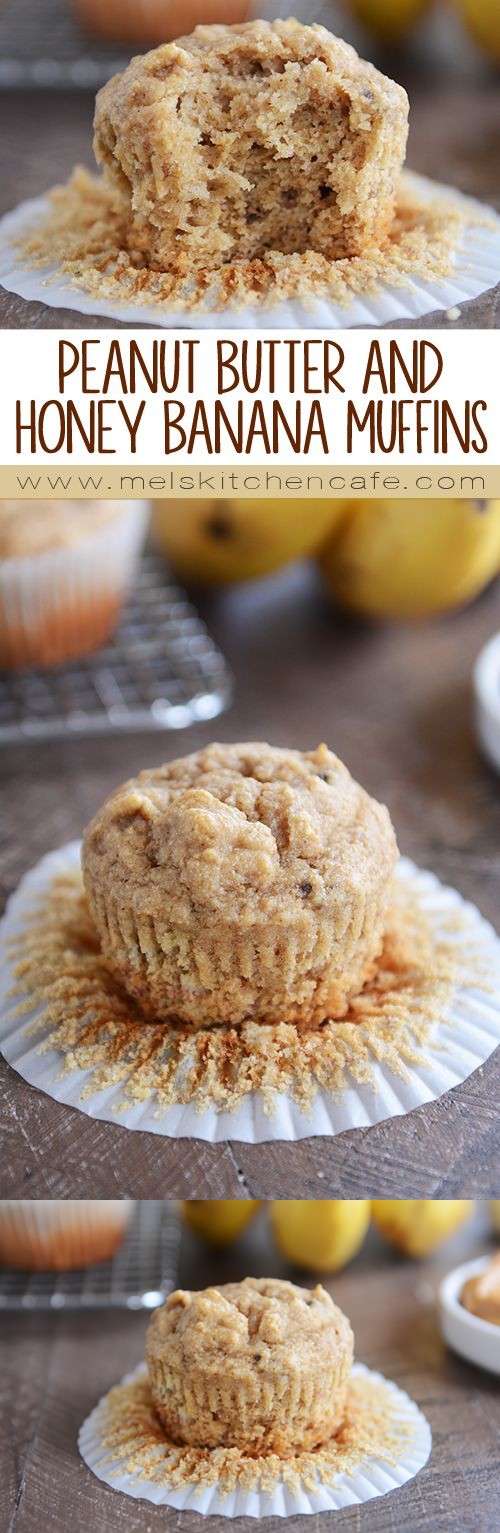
(153, 21)
(241, 882)
(261, 1365)
(65, 567)
(56, 1234)
(237, 141)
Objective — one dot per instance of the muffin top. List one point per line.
(256, 53)
(36, 526)
(261, 1322)
(240, 834)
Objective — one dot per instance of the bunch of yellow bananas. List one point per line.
(390, 19)
(413, 558)
(380, 558)
(324, 1235)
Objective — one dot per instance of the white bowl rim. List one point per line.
(450, 1289)
(486, 677)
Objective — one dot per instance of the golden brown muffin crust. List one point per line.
(241, 881)
(251, 1363)
(241, 833)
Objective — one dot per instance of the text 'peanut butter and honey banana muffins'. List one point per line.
(241, 882)
(237, 141)
(260, 1365)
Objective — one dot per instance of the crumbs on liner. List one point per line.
(129, 1430)
(86, 236)
(93, 1024)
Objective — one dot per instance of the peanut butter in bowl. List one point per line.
(481, 1294)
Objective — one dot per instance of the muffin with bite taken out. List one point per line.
(237, 141)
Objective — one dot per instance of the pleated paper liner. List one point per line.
(473, 267)
(66, 601)
(119, 1077)
(369, 1469)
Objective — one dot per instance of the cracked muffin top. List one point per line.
(238, 1326)
(36, 526)
(240, 834)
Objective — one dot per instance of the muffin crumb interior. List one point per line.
(237, 140)
(83, 237)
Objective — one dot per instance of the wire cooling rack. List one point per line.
(42, 44)
(139, 1276)
(162, 670)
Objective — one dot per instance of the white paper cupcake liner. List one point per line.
(476, 269)
(62, 586)
(466, 1035)
(371, 1479)
(67, 1229)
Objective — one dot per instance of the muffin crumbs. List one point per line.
(86, 236)
(91, 1022)
(135, 1443)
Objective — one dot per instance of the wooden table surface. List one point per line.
(395, 703)
(455, 138)
(55, 1367)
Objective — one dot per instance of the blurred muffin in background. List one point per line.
(65, 568)
(56, 1234)
(155, 21)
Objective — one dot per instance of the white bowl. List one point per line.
(477, 1340)
(487, 700)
